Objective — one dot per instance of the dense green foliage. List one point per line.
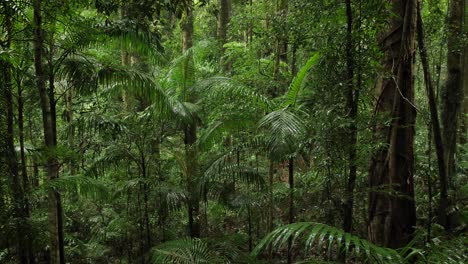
(246, 135)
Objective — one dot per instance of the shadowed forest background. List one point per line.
(233, 131)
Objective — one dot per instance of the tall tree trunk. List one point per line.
(55, 224)
(282, 42)
(352, 111)
(71, 128)
(392, 212)
(291, 204)
(251, 25)
(464, 123)
(452, 92)
(223, 24)
(146, 190)
(270, 224)
(281, 54)
(8, 159)
(35, 179)
(443, 201)
(190, 131)
(24, 171)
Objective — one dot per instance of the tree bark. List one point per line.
(452, 92)
(281, 54)
(443, 200)
(392, 212)
(283, 37)
(352, 111)
(223, 24)
(24, 172)
(54, 221)
(190, 130)
(71, 128)
(270, 224)
(464, 123)
(291, 204)
(8, 158)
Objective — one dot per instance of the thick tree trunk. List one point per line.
(452, 92)
(392, 212)
(55, 223)
(352, 98)
(443, 201)
(223, 24)
(190, 131)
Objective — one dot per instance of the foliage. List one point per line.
(147, 134)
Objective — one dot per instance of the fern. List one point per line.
(452, 251)
(319, 236)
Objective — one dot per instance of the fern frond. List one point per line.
(316, 235)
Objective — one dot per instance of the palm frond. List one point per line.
(82, 185)
(186, 251)
(222, 88)
(133, 39)
(284, 131)
(221, 170)
(315, 237)
(298, 82)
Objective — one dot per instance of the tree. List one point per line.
(190, 129)
(223, 23)
(55, 224)
(452, 92)
(8, 158)
(163, 159)
(352, 101)
(443, 201)
(392, 212)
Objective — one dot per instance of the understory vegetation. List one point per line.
(233, 131)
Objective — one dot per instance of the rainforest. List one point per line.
(233, 131)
